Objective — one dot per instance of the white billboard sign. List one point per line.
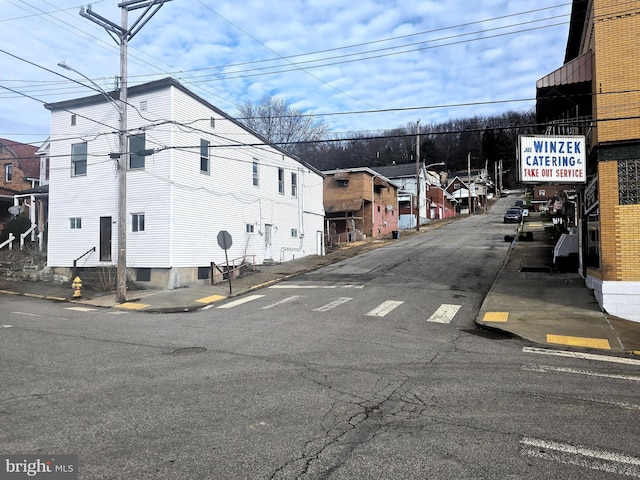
(552, 158)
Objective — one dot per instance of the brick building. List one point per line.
(358, 202)
(595, 93)
(20, 171)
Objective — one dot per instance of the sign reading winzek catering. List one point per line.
(552, 158)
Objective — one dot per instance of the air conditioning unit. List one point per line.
(389, 208)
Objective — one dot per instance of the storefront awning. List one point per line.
(576, 71)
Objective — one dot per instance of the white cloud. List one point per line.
(221, 51)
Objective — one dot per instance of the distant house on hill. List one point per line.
(358, 202)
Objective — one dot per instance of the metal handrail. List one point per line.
(233, 267)
(75, 262)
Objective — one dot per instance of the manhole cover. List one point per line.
(188, 351)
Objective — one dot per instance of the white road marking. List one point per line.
(582, 456)
(352, 286)
(286, 285)
(284, 300)
(334, 304)
(585, 356)
(384, 308)
(240, 301)
(80, 309)
(7, 326)
(578, 371)
(27, 314)
(444, 313)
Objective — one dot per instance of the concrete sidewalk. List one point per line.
(527, 299)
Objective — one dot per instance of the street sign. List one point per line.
(224, 240)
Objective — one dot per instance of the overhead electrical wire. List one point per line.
(387, 48)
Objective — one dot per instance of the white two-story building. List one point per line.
(192, 172)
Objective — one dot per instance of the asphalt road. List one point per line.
(368, 368)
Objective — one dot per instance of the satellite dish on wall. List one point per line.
(16, 209)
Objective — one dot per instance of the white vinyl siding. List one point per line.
(183, 209)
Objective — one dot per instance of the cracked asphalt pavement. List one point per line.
(293, 384)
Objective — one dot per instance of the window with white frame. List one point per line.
(136, 149)
(294, 184)
(256, 173)
(8, 172)
(294, 232)
(78, 159)
(204, 156)
(75, 223)
(250, 228)
(281, 181)
(137, 222)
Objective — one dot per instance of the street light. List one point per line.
(97, 87)
(121, 107)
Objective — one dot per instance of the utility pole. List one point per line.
(418, 178)
(123, 34)
(469, 181)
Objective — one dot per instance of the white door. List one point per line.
(319, 246)
(268, 232)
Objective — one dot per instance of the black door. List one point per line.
(105, 239)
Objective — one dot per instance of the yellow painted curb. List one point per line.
(601, 343)
(132, 306)
(496, 317)
(212, 298)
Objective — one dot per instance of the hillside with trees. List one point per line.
(485, 139)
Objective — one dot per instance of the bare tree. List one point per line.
(276, 120)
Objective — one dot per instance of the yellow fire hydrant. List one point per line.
(77, 287)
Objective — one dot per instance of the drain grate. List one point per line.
(188, 351)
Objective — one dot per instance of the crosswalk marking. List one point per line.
(334, 304)
(240, 301)
(80, 309)
(286, 285)
(384, 308)
(284, 300)
(444, 313)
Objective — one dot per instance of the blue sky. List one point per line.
(401, 61)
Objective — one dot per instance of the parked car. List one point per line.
(519, 203)
(513, 215)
